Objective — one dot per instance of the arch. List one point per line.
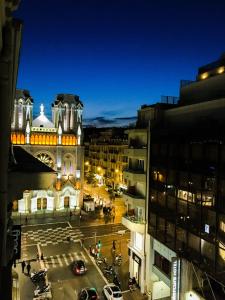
(22, 139)
(32, 139)
(36, 139)
(46, 158)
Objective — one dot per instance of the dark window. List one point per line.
(162, 263)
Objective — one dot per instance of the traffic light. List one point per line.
(99, 244)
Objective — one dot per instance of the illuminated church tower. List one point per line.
(57, 143)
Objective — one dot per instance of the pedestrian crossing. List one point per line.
(64, 260)
(51, 236)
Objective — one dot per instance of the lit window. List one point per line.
(204, 75)
(220, 70)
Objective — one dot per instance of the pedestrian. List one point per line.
(82, 243)
(42, 256)
(71, 214)
(130, 284)
(113, 217)
(114, 245)
(37, 256)
(28, 268)
(26, 220)
(23, 265)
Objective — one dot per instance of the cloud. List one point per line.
(109, 122)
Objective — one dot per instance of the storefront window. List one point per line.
(163, 264)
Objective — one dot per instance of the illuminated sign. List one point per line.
(206, 228)
(175, 279)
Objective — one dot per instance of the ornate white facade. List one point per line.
(56, 143)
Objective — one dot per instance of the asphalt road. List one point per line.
(59, 253)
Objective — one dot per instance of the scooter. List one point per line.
(41, 290)
(36, 277)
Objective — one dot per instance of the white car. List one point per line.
(112, 292)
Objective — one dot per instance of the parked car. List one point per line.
(88, 294)
(79, 267)
(112, 292)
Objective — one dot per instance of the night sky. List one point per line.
(115, 54)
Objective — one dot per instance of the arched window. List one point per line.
(22, 140)
(32, 139)
(43, 139)
(36, 139)
(14, 138)
(51, 140)
(47, 140)
(40, 139)
(54, 140)
(18, 139)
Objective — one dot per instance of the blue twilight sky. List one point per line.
(116, 54)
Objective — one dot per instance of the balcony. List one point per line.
(133, 198)
(133, 223)
(136, 152)
(135, 175)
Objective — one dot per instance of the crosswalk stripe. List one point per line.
(75, 256)
(66, 261)
(84, 257)
(46, 262)
(59, 260)
(53, 262)
(71, 257)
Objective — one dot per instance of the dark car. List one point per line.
(79, 267)
(88, 294)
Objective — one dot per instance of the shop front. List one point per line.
(136, 268)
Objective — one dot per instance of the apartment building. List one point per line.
(105, 155)
(186, 211)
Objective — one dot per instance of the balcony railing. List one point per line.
(133, 194)
(134, 219)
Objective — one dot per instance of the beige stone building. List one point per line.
(105, 155)
(56, 143)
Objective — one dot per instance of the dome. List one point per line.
(42, 120)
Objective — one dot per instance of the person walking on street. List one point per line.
(28, 268)
(42, 256)
(37, 256)
(26, 220)
(23, 265)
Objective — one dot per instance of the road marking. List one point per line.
(53, 262)
(64, 256)
(59, 260)
(39, 224)
(46, 262)
(93, 261)
(71, 257)
(84, 257)
(69, 224)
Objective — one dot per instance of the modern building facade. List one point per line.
(56, 143)
(186, 213)
(105, 155)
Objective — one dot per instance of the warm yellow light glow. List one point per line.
(220, 70)
(116, 170)
(87, 163)
(99, 168)
(204, 75)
